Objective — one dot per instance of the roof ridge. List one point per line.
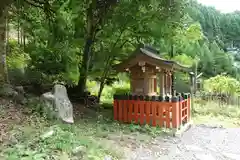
(151, 49)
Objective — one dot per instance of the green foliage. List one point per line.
(122, 87)
(93, 87)
(37, 107)
(222, 84)
(220, 33)
(17, 59)
(58, 61)
(194, 32)
(182, 30)
(184, 59)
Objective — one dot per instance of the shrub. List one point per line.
(121, 87)
(222, 84)
(93, 87)
(17, 59)
(29, 76)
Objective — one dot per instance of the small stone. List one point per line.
(47, 134)
(64, 156)
(204, 157)
(79, 151)
(194, 148)
(232, 156)
(107, 157)
(178, 152)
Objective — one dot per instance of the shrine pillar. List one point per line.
(166, 88)
(173, 84)
(162, 82)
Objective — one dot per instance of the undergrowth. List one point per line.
(216, 112)
(36, 137)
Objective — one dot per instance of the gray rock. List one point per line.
(16, 93)
(59, 103)
(20, 89)
(19, 98)
(7, 90)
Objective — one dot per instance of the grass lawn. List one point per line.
(216, 114)
(93, 136)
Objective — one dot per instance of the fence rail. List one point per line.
(154, 111)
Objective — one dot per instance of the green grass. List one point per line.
(91, 137)
(210, 112)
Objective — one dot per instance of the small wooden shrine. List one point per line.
(148, 70)
(144, 105)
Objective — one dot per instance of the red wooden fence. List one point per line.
(171, 114)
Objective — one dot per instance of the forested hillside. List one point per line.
(72, 41)
(222, 33)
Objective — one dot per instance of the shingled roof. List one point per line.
(150, 56)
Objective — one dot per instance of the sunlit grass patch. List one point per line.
(210, 112)
(55, 142)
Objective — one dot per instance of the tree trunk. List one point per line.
(94, 19)
(108, 64)
(21, 35)
(3, 26)
(85, 66)
(103, 78)
(172, 51)
(7, 36)
(90, 28)
(102, 84)
(24, 40)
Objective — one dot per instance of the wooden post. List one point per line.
(155, 84)
(191, 93)
(162, 83)
(170, 83)
(165, 83)
(146, 84)
(173, 84)
(175, 113)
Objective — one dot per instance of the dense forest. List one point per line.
(74, 41)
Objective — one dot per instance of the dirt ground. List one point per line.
(198, 143)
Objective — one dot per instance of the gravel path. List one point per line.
(198, 143)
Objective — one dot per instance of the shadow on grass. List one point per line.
(94, 135)
(103, 122)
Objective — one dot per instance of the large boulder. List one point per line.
(59, 102)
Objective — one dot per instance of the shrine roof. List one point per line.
(150, 56)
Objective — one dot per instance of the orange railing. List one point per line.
(154, 111)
